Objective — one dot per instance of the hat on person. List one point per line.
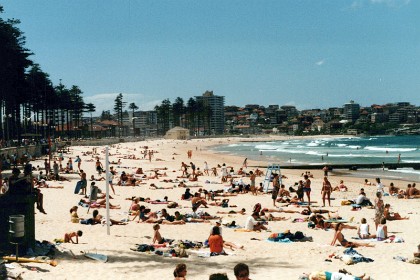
(218, 223)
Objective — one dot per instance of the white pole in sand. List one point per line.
(107, 189)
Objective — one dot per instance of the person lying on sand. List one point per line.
(185, 218)
(342, 274)
(242, 212)
(92, 178)
(270, 217)
(154, 187)
(99, 219)
(100, 203)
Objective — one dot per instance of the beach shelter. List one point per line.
(273, 168)
(178, 133)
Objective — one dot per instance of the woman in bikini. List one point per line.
(338, 236)
(326, 191)
(392, 216)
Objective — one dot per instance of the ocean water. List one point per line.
(340, 150)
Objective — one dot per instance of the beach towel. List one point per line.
(352, 256)
(336, 221)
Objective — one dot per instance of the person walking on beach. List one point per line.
(379, 209)
(252, 185)
(307, 187)
(276, 188)
(206, 168)
(79, 162)
(326, 191)
(47, 167)
(379, 185)
(56, 170)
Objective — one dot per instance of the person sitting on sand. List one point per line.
(68, 237)
(382, 230)
(157, 237)
(74, 218)
(363, 230)
(180, 271)
(197, 201)
(367, 183)
(216, 242)
(393, 190)
(341, 187)
(412, 191)
(362, 199)
(392, 216)
(252, 224)
(338, 236)
(283, 192)
(187, 195)
(135, 206)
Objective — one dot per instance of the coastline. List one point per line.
(266, 260)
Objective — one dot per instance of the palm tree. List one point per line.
(133, 107)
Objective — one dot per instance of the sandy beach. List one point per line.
(267, 260)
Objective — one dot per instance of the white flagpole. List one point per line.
(107, 189)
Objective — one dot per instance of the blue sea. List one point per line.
(340, 150)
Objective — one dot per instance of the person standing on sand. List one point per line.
(79, 162)
(379, 185)
(325, 169)
(276, 188)
(379, 209)
(206, 168)
(252, 185)
(326, 191)
(307, 188)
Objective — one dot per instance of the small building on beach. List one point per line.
(178, 133)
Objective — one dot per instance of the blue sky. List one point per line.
(311, 54)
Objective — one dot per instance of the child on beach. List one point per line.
(68, 237)
(157, 238)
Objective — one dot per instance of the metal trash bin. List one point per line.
(17, 226)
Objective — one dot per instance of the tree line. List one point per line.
(194, 115)
(30, 105)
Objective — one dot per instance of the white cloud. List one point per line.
(391, 3)
(359, 4)
(321, 62)
(105, 101)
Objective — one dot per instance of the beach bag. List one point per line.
(346, 202)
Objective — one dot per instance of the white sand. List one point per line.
(266, 260)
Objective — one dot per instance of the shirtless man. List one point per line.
(197, 201)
